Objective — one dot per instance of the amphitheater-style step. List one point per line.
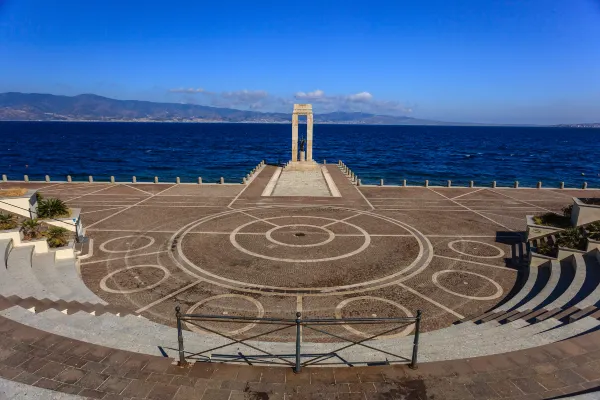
(36, 305)
(19, 278)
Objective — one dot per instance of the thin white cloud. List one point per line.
(361, 97)
(188, 91)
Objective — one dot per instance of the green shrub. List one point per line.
(552, 219)
(32, 229)
(57, 236)
(52, 208)
(567, 211)
(594, 230)
(572, 238)
(7, 221)
(546, 250)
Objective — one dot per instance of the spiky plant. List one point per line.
(52, 208)
(594, 230)
(7, 221)
(39, 197)
(57, 236)
(552, 219)
(32, 229)
(572, 238)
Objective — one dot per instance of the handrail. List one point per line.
(314, 324)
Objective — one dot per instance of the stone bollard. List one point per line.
(358, 182)
(247, 176)
(222, 181)
(426, 182)
(472, 184)
(133, 179)
(69, 179)
(516, 186)
(562, 185)
(493, 184)
(112, 179)
(177, 180)
(26, 178)
(449, 183)
(244, 181)
(199, 180)
(584, 186)
(381, 182)
(4, 179)
(324, 162)
(47, 178)
(90, 179)
(156, 179)
(404, 182)
(539, 184)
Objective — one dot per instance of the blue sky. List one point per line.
(497, 61)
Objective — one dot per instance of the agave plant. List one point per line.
(7, 221)
(52, 208)
(32, 229)
(57, 236)
(572, 238)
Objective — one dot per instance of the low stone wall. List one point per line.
(24, 205)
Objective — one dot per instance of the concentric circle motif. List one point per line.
(104, 287)
(344, 303)
(330, 235)
(259, 314)
(498, 293)
(150, 243)
(366, 243)
(499, 255)
(180, 259)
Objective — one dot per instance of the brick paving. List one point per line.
(61, 364)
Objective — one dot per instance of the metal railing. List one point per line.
(297, 360)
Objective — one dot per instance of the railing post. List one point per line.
(298, 367)
(413, 361)
(182, 362)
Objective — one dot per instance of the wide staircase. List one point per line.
(56, 334)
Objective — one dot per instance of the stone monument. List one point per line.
(302, 160)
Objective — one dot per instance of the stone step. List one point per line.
(532, 276)
(20, 279)
(549, 287)
(68, 273)
(22, 391)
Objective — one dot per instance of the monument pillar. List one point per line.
(309, 136)
(294, 137)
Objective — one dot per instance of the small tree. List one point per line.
(31, 229)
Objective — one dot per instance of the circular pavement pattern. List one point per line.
(480, 250)
(301, 251)
(104, 248)
(499, 291)
(231, 303)
(132, 282)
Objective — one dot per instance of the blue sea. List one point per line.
(394, 153)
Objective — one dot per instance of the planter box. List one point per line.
(535, 231)
(593, 244)
(564, 252)
(39, 245)
(64, 253)
(584, 213)
(536, 260)
(25, 205)
(72, 223)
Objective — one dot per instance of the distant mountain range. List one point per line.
(89, 107)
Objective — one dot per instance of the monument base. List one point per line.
(302, 166)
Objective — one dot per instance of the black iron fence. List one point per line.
(297, 359)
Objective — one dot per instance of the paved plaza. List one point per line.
(375, 251)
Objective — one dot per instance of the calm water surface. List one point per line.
(394, 153)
